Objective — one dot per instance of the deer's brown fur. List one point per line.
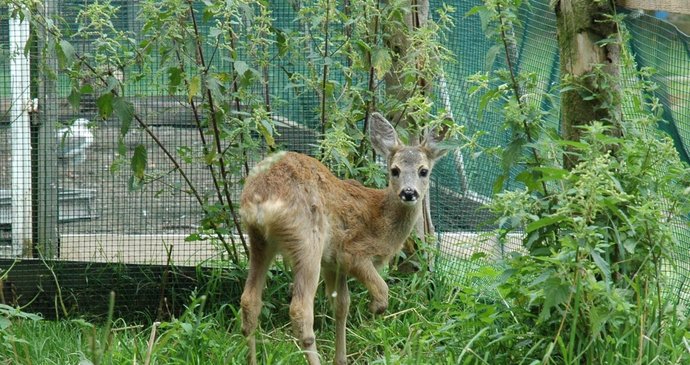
(293, 205)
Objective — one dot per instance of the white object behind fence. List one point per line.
(20, 136)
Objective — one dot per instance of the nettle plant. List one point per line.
(600, 236)
(349, 57)
(220, 60)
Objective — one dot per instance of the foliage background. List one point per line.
(316, 68)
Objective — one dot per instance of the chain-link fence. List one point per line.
(61, 185)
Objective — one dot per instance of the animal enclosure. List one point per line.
(91, 210)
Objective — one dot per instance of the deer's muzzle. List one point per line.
(409, 195)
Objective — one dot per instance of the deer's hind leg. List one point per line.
(305, 257)
(339, 295)
(260, 257)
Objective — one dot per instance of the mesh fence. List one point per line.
(57, 163)
(662, 47)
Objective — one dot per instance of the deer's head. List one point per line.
(409, 166)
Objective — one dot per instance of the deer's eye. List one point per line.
(395, 172)
(424, 172)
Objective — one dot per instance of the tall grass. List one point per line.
(428, 322)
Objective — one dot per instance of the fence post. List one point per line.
(20, 135)
(46, 181)
(671, 6)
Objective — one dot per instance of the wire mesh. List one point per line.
(97, 218)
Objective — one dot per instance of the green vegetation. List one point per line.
(422, 325)
(599, 231)
(428, 322)
(595, 288)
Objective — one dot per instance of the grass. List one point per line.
(419, 325)
(427, 323)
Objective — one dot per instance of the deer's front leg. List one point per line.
(367, 274)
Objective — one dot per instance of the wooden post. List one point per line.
(398, 43)
(47, 184)
(590, 63)
(672, 6)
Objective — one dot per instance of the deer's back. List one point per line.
(290, 195)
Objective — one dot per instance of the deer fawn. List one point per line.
(293, 205)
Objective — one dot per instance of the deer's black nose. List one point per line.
(409, 195)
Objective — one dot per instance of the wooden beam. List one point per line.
(672, 6)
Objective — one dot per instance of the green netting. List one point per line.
(101, 220)
(661, 46)
(654, 43)
(462, 219)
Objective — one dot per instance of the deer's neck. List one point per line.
(399, 216)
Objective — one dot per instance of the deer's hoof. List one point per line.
(378, 307)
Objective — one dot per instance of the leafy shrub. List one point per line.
(600, 235)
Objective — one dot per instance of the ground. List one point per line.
(115, 213)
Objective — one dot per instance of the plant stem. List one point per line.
(371, 85)
(147, 129)
(324, 74)
(216, 134)
(214, 175)
(508, 45)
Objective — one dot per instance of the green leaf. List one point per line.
(4, 323)
(489, 96)
(175, 77)
(121, 146)
(214, 85)
(86, 89)
(187, 327)
(65, 54)
(74, 98)
(210, 157)
(83, 323)
(476, 10)
(546, 221)
(124, 110)
(16, 340)
(134, 184)
(381, 61)
(499, 183)
(215, 32)
(555, 293)
(194, 87)
(241, 67)
(552, 173)
(193, 237)
(541, 278)
(281, 42)
(630, 244)
(138, 162)
(105, 105)
(574, 144)
(266, 130)
(363, 48)
(12, 312)
(602, 264)
(511, 153)
(530, 178)
(491, 57)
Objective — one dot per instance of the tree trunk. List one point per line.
(398, 43)
(592, 63)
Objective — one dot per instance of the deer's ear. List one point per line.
(432, 147)
(383, 136)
